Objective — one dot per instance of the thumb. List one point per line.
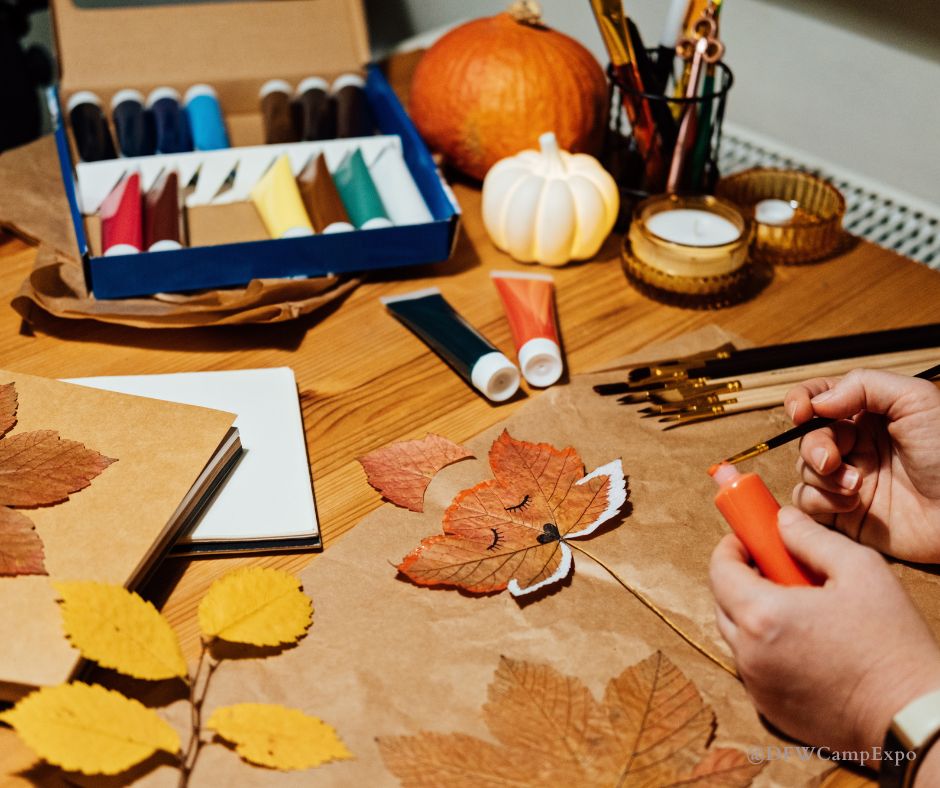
(819, 549)
(875, 391)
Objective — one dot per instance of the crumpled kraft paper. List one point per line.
(33, 205)
(385, 657)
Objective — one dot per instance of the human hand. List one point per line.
(828, 665)
(875, 474)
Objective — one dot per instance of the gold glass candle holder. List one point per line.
(803, 220)
(689, 251)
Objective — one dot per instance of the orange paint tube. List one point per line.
(529, 301)
(751, 511)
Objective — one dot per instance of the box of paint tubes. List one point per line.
(204, 145)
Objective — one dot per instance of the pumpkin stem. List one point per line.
(526, 12)
(551, 153)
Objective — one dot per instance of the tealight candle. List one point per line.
(775, 211)
(693, 245)
(692, 227)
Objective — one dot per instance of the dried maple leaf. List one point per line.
(36, 469)
(7, 407)
(652, 730)
(511, 531)
(402, 471)
(21, 550)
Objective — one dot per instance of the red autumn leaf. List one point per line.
(36, 469)
(39, 468)
(652, 729)
(511, 531)
(21, 550)
(402, 471)
(7, 407)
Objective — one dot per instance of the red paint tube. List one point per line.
(751, 511)
(529, 301)
(121, 226)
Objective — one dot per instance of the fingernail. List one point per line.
(822, 397)
(850, 478)
(787, 516)
(791, 410)
(819, 458)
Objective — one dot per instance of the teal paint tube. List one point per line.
(428, 314)
(358, 193)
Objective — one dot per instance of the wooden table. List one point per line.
(368, 381)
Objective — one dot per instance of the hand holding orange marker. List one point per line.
(751, 511)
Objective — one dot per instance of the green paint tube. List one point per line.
(359, 194)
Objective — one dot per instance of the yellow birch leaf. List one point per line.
(256, 605)
(120, 630)
(277, 737)
(89, 729)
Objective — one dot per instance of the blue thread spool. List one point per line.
(133, 124)
(206, 123)
(169, 120)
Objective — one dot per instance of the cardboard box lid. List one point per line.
(105, 49)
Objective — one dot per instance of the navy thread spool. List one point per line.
(315, 110)
(276, 112)
(132, 123)
(353, 116)
(169, 121)
(90, 127)
(206, 124)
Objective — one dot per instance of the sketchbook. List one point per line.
(267, 501)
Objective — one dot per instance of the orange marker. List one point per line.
(751, 511)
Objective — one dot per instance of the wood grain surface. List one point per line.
(367, 381)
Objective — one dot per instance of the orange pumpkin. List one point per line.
(487, 90)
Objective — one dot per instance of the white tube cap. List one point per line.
(496, 376)
(540, 360)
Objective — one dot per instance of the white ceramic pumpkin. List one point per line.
(549, 206)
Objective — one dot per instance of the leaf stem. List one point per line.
(652, 607)
(188, 760)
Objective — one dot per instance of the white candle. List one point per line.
(691, 227)
(775, 211)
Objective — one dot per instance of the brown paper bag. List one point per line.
(385, 657)
(33, 205)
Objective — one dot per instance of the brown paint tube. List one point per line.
(321, 199)
(276, 112)
(162, 214)
(353, 116)
(315, 110)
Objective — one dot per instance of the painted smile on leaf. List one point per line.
(511, 531)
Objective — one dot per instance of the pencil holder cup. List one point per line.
(641, 169)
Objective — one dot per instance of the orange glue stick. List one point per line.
(751, 511)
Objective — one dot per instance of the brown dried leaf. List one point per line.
(7, 407)
(21, 551)
(39, 468)
(511, 531)
(402, 471)
(652, 730)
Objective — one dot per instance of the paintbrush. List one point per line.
(676, 391)
(727, 362)
(815, 423)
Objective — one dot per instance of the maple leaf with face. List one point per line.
(512, 531)
(37, 468)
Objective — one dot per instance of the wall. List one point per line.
(853, 82)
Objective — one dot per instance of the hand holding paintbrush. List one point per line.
(874, 471)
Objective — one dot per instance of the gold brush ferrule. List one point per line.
(747, 454)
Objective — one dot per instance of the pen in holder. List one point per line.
(627, 161)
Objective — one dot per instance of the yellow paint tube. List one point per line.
(278, 201)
